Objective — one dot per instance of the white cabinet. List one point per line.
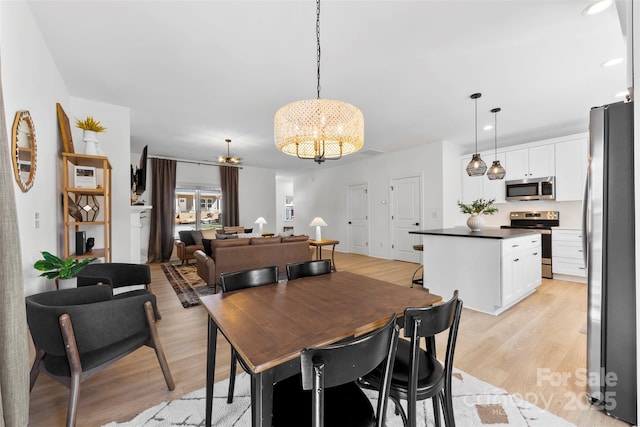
(568, 254)
(571, 169)
(521, 272)
(532, 162)
(478, 187)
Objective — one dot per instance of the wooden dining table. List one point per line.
(269, 325)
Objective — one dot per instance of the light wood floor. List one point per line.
(525, 351)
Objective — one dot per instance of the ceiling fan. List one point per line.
(228, 159)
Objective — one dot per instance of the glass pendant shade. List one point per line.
(477, 166)
(496, 171)
(319, 129)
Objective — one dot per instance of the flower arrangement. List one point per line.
(478, 207)
(53, 267)
(91, 124)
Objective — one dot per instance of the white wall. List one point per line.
(31, 81)
(284, 187)
(257, 197)
(323, 193)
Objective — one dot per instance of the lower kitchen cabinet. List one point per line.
(521, 272)
(568, 255)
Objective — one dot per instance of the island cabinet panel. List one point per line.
(491, 270)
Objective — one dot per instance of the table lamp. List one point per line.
(318, 222)
(260, 221)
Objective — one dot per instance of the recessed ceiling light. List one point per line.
(597, 7)
(611, 62)
(487, 127)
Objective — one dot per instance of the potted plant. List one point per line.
(63, 271)
(90, 128)
(476, 210)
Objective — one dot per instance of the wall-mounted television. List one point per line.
(139, 174)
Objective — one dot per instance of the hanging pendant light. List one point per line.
(496, 171)
(319, 129)
(476, 167)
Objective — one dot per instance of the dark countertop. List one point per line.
(485, 233)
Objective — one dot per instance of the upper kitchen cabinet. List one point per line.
(532, 162)
(571, 169)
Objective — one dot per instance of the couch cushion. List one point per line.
(222, 243)
(300, 238)
(185, 236)
(265, 240)
(197, 236)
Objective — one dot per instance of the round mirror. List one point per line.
(23, 145)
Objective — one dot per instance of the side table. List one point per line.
(318, 244)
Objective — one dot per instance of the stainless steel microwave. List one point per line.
(531, 189)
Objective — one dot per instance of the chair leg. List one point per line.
(399, 410)
(74, 397)
(35, 368)
(436, 411)
(155, 340)
(73, 356)
(447, 408)
(232, 375)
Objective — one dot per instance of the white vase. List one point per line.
(66, 283)
(90, 139)
(475, 222)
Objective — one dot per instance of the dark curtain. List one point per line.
(229, 184)
(14, 345)
(163, 195)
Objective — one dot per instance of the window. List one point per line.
(187, 217)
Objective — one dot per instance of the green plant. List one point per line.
(53, 267)
(479, 206)
(90, 124)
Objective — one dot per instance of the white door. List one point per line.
(358, 218)
(405, 217)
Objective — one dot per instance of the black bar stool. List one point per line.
(415, 279)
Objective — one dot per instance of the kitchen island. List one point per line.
(493, 269)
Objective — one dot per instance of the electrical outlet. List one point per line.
(36, 220)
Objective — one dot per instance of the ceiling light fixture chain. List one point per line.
(318, 44)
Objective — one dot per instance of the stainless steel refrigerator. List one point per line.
(610, 241)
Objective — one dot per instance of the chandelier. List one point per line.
(477, 166)
(228, 158)
(496, 171)
(318, 129)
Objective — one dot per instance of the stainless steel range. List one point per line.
(542, 221)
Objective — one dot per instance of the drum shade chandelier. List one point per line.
(496, 171)
(476, 167)
(319, 129)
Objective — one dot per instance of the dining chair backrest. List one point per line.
(345, 362)
(248, 278)
(297, 270)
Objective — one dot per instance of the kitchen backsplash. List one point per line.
(570, 212)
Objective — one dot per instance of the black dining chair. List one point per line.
(417, 373)
(296, 270)
(325, 393)
(242, 280)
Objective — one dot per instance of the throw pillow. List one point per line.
(186, 237)
(265, 240)
(248, 230)
(206, 244)
(197, 236)
(209, 233)
(302, 238)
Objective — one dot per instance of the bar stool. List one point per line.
(415, 280)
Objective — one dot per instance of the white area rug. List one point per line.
(475, 403)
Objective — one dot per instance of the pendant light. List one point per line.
(496, 171)
(476, 167)
(319, 129)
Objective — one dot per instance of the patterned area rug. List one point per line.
(186, 283)
(475, 403)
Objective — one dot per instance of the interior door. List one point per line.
(406, 207)
(358, 218)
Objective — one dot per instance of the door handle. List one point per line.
(417, 223)
(349, 222)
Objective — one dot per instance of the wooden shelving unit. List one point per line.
(93, 221)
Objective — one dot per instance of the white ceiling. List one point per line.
(197, 72)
